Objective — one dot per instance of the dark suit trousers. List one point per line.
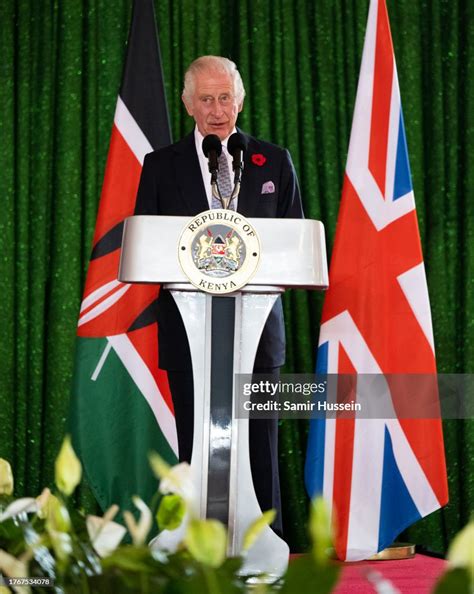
(263, 440)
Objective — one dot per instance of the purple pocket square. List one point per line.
(268, 188)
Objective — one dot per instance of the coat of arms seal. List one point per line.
(219, 251)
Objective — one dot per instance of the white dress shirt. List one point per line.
(204, 163)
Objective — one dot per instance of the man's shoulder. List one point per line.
(169, 150)
(255, 144)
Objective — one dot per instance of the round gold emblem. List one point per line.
(219, 251)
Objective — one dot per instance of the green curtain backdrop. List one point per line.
(59, 76)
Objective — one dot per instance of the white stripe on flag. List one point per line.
(329, 455)
(413, 475)
(103, 305)
(131, 131)
(330, 426)
(358, 155)
(392, 139)
(413, 284)
(98, 293)
(406, 203)
(342, 329)
(366, 488)
(146, 384)
(367, 462)
(381, 212)
(101, 362)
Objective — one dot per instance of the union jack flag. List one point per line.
(378, 475)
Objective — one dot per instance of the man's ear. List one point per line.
(241, 106)
(189, 108)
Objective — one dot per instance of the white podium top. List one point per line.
(293, 252)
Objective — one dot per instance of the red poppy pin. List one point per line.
(258, 159)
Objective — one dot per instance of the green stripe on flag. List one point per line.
(113, 427)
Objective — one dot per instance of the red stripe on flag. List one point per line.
(344, 447)
(414, 397)
(367, 262)
(381, 98)
(118, 318)
(122, 176)
(426, 439)
(97, 303)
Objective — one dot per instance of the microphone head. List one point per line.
(237, 142)
(211, 142)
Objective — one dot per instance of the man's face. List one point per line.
(213, 104)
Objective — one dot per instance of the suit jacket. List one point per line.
(171, 184)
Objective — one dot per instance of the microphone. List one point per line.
(212, 148)
(236, 146)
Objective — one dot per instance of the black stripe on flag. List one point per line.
(143, 90)
(109, 242)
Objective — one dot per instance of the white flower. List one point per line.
(68, 469)
(179, 481)
(6, 478)
(461, 549)
(13, 567)
(42, 501)
(138, 531)
(381, 584)
(105, 535)
(25, 505)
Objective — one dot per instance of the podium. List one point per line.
(225, 273)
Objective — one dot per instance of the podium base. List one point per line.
(397, 551)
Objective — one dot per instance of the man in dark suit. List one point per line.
(175, 181)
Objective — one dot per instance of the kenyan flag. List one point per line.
(121, 405)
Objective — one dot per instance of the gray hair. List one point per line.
(212, 64)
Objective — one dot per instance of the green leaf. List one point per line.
(206, 581)
(254, 530)
(454, 581)
(10, 532)
(232, 565)
(320, 530)
(304, 575)
(57, 515)
(158, 465)
(131, 558)
(171, 512)
(62, 545)
(206, 541)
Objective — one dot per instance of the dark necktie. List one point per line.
(225, 183)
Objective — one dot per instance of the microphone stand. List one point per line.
(225, 202)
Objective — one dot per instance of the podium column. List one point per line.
(220, 461)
